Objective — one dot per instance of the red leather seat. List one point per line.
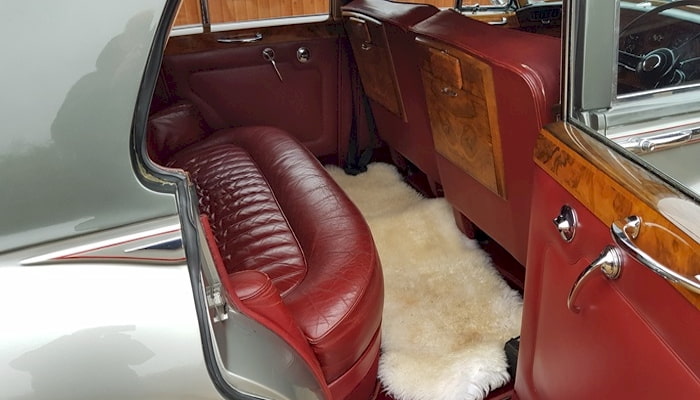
(525, 70)
(408, 130)
(285, 230)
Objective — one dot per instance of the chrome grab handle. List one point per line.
(623, 236)
(609, 262)
(503, 21)
(241, 38)
(358, 20)
(659, 141)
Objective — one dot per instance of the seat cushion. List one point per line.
(275, 209)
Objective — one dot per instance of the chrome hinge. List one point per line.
(217, 302)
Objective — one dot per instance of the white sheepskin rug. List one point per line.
(447, 312)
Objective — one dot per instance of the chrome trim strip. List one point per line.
(245, 38)
(660, 140)
(170, 243)
(265, 23)
(204, 8)
(567, 66)
(187, 30)
(651, 92)
(141, 245)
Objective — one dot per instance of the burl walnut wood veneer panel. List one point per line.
(463, 115)
(612, 188)
(374, 61)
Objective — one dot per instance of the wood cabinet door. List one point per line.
(631, 336)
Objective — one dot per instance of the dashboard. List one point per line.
(658, 50)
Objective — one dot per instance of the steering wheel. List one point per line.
(662, 66)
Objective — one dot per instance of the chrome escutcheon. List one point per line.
(566, 223)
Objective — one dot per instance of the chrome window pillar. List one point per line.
(204, 8)
(591, 50)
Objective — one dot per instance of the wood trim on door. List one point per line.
(613, 187)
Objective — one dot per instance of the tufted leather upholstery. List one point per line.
(251, 230)
(277, 215)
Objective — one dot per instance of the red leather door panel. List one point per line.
(232, 84)
(633, 338)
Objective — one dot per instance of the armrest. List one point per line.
(262, 301)
(174, 128)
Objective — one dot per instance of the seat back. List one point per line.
(384, 50)
(489, 91)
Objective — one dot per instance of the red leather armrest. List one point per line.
(261, 299)
(253, 293)
(174, 128)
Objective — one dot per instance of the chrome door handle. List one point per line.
(609, 262)
(241, 38)
(623, 236)
(503, 21)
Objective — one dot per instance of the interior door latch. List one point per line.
(269, 55)
(566, 223)
(217, 302)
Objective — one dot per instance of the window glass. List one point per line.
(232, 14)
(228, 11)
(658, 45)
(641, 89)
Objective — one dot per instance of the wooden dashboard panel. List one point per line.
(613, 187)
(463, 114)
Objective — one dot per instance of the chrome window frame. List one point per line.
(591, 57)
(609, 118)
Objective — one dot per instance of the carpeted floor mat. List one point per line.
(447, 312)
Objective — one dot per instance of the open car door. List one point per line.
(597, 322)
(612, 281)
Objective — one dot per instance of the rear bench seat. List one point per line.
(273, 209)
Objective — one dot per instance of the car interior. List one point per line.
(455, 96)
